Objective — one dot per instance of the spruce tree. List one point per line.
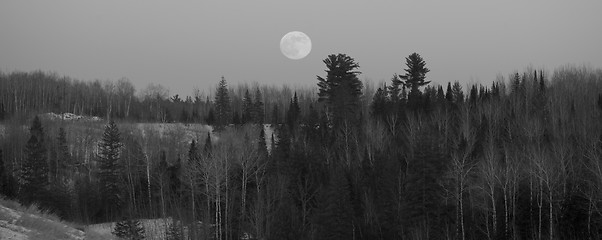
(109, 169)
(207, 146)
(193, 153)
(262, 148)
(449, 93)
(258, 110)
(130, 229)
(34, 172)
(247, 108)
(292, 116)
(395, 89)
(223, 111)
(457, 93)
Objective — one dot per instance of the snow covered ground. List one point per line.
(20, 223)
(154, 228)
(70, 117)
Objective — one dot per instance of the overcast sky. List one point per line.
(186, 44)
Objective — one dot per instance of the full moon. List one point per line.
(295, 45)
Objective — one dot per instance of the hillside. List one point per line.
(18, 222)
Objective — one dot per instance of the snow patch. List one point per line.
(70, 117)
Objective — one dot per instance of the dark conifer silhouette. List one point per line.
(415, 75)
(34, 172)
(109, 170)
(223, 112)
(247, 108)
(258, 108)
(341, 89)
(130, 229)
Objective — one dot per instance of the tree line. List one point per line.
(519, 159)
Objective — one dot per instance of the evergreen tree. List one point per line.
(64, 157)
(449, 93)
(440, 95)
(458, 93)
(223, 110)
(207, 146)
(34, 172)
(262, 147)
(247, 108)
(130, 229)
(109, 169)
(341, 89)
(193, 153)
(258, 109)
(379, 103)
(292, 116)
(415, 75)
(395, 89)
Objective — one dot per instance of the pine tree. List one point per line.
(130, 229)
(223, 111)
(341, 89)
(34, 172)
(415, 75)
(207, 147)
(395, 89)
(292, 116)
(109, 169)
(258, 110)
(457, 93)
(440, 95)
(193, 153)
(247, 108)
(449, 93)
(262, 148)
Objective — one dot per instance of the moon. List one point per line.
(295, 45)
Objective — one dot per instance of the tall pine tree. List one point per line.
(415, 76)
(109, 170)
(34, 172)
(247, 108)
(341, 89)
(223, 110)
(258, 110)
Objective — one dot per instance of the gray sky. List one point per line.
(186, 44)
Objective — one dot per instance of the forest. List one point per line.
(519, 158)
